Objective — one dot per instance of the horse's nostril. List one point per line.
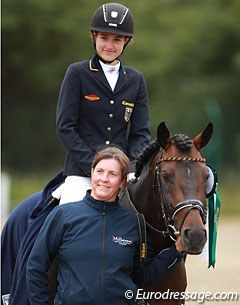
(192, 234)
(205, 233)
(186, 233)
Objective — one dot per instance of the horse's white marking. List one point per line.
(188, 172)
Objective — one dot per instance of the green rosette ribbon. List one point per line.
(214, 204)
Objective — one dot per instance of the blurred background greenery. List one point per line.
(188, 51)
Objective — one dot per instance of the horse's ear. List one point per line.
(163, 136)
(203, 138)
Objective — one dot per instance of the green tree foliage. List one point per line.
(188, 51)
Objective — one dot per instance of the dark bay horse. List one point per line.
(169, 190)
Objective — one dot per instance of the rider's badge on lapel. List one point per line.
(128, 113)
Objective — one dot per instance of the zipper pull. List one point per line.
(104, 210)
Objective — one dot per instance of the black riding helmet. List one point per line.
(113, 18)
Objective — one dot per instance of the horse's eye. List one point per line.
(165, 177)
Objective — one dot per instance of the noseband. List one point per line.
(191, 204)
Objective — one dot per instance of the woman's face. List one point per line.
(109, 46)
(106, 180)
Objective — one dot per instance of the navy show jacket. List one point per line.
(90, 114)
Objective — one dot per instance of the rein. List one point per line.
(163, 233)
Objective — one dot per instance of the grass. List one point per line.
(24, 185)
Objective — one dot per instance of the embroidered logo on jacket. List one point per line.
(121, 241)
(92, 97)
(127, 104)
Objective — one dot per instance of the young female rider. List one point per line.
(101, 101)
(97, 244)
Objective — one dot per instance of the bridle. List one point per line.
(171, 231)
(165, 205)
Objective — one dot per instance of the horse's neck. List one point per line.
(142, 197)
(145, 196)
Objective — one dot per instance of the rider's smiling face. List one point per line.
(109, 46)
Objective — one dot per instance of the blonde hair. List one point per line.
(113, 153)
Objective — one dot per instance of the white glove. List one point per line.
(131, 176)
(58, 192)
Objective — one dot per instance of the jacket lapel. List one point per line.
(96, 68)
(123, 78)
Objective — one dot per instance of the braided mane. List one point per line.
(148, 151)
(182, 141)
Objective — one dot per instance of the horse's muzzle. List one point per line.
(193, 240)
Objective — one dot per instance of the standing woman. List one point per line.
(97, 243)
(101, 101)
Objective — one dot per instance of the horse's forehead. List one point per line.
(174, 151)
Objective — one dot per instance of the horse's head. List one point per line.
(182, 175)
